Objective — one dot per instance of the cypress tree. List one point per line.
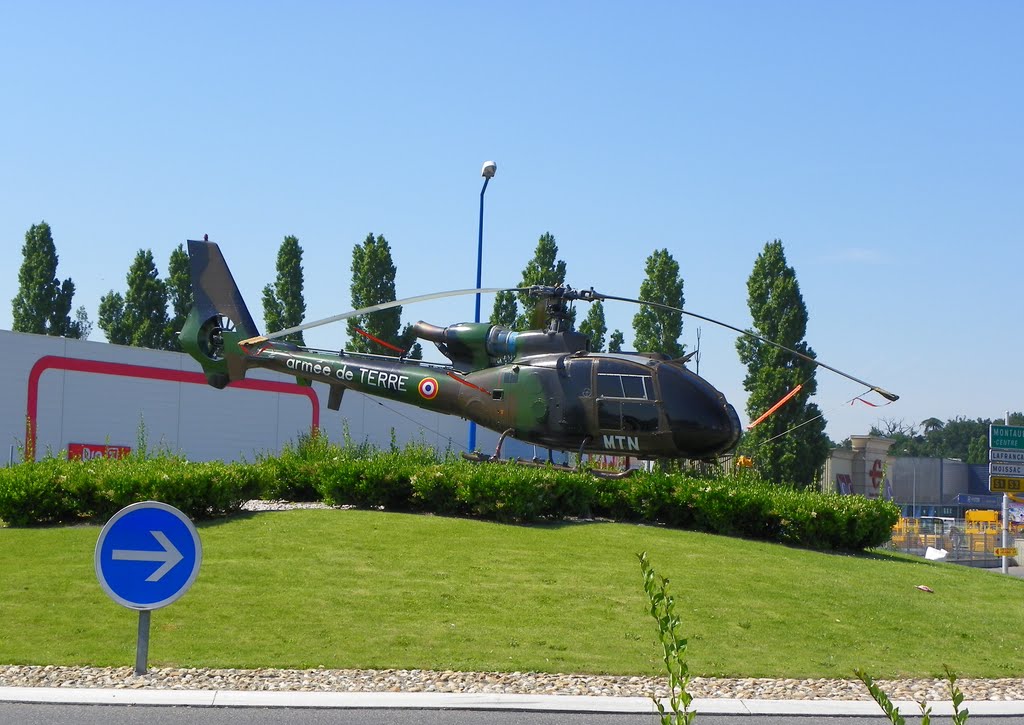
(43, 303)
(543, 269)
(373, 282)
(284, 305)
(790, 446)
(139, 318)
(658, 330)
(594, 327)
(505, 310)
(179, 294)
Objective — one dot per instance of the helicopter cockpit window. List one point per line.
(625, 385)
(625, 398)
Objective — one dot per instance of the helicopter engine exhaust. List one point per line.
(475, 345)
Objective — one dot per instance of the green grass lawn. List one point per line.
(359, 589)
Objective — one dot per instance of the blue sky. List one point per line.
(881, 142)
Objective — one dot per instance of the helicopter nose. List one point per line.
(703, 423)
(735, 430)
(714, 431)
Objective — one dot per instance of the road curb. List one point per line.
(471, 701)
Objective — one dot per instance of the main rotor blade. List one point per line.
(881, 391)
(383, 306)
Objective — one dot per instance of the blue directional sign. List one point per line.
(148, 555)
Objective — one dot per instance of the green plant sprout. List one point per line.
(879, 696)
(673, 644)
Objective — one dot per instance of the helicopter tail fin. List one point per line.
(218, 320)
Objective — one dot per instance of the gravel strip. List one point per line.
(258, 505)
(523, 683)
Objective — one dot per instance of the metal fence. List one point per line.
(965, 542)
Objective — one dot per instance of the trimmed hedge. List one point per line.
(57, 491)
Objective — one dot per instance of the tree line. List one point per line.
(790, 445)
(959, 438)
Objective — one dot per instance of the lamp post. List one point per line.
(913, 509)
(914, 492)
(487, 172)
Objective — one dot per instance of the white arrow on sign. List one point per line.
(170, 556)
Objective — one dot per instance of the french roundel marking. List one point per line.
(428, 388)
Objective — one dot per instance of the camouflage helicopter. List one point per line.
(543, 387)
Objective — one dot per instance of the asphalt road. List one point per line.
(54, 714)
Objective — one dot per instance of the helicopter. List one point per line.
(543, 387)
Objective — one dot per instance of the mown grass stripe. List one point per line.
(362, 589)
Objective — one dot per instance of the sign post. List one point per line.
(1005, 471)
(147, 557)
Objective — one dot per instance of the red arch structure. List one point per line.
(54, 362)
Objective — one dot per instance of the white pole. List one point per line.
(1006, 521)
(1006, 532)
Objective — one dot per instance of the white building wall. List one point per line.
(194, 419)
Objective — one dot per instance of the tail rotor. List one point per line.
(219, 319)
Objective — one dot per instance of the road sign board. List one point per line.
(1006, 456)
(1004, 484)
(1007, 551)
(1006, 469)
(147, 555)
(1006, 436)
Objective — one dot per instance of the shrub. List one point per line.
(507, 493)
(435, 488)
(414, 479)
(379, 481)
(383, 481)
(292, 475)
(56, 490)
(36, 494)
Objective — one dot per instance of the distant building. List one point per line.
(920, 486)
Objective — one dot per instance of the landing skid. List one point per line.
(477, 457)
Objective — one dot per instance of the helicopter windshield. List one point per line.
(701, 420)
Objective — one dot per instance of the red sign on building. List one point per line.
(88, 451)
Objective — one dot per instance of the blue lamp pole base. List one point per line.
(479, 269)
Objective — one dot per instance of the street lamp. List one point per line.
(488, 171)
(913, 509)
